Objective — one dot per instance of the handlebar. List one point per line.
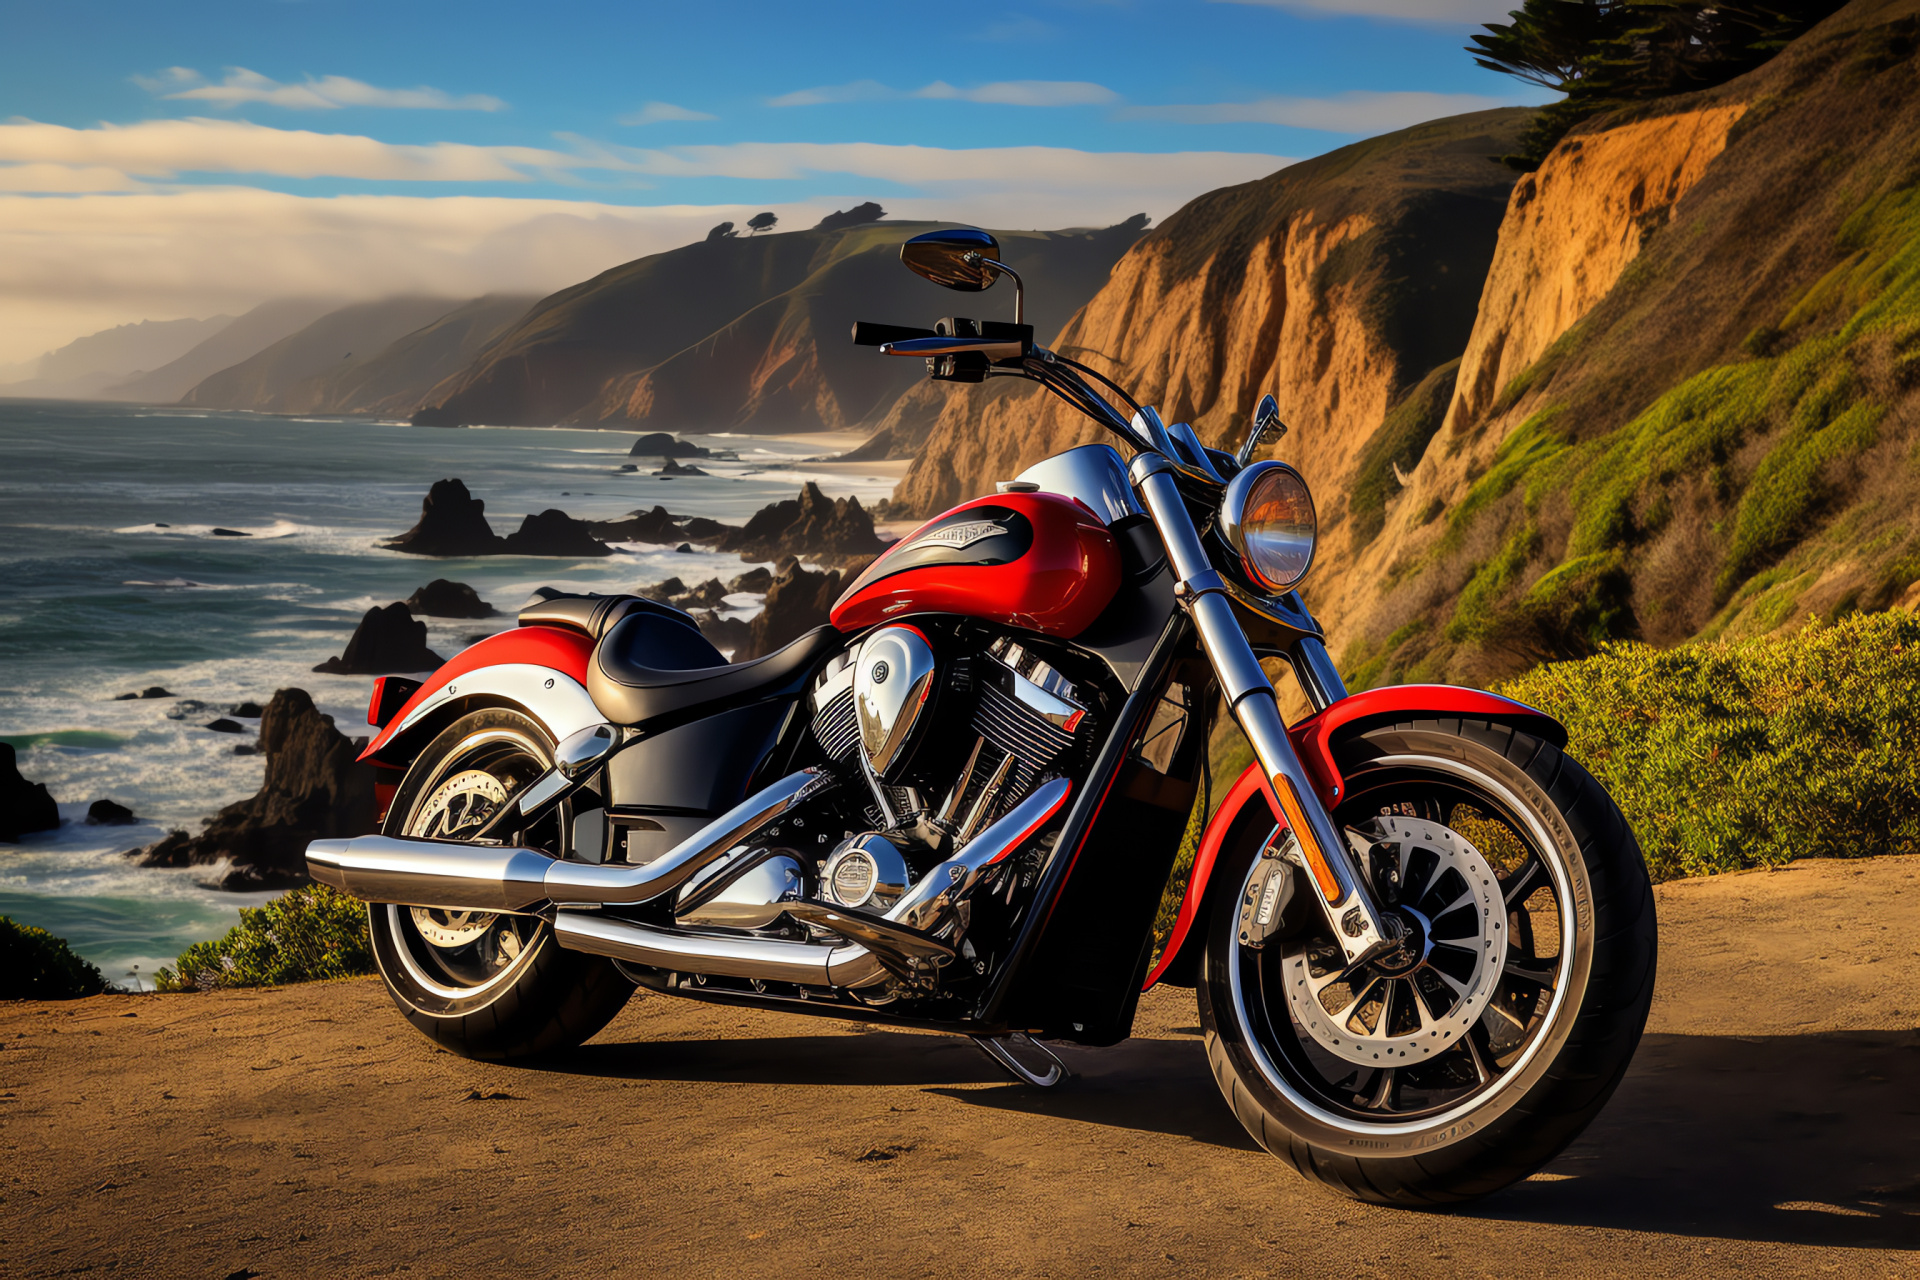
(868, 334)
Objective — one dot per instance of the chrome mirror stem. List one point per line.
(1266, 419)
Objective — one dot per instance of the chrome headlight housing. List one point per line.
(1267, 517)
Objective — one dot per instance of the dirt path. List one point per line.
(1771, 1124)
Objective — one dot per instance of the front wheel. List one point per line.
(485, 984)
(1475, 1054)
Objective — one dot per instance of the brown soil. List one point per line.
(1768, 1126)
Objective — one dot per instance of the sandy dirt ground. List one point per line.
(1770, 1126)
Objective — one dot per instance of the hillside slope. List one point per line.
(746, 333)
(391, 380)
(268, 380)
(239, 340)
(1343, 284)
(87, 365)
(1688, 405)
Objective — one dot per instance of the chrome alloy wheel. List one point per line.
(1422, 999)
(456, 953)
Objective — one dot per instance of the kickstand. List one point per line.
(1000, 1049)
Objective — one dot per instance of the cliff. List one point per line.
(1338, 284)
(744, 334)
(390, 380)
(1687, 405)
(239, 340)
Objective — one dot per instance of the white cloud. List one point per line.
(65, 178)
(323, 94)
(1005, 93)
(1357, 111)
(659, 112)
(1432, 12)
(1027, 93)
(165, 148)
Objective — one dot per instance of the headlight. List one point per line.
(1267, 516)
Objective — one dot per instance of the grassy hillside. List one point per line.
(1724, 444)
(748, 332)
(391, 380)
(271, 380)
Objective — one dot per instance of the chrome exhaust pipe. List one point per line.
(811, 964)
(438, 873)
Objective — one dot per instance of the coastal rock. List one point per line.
(452, 523)
(729, 635)
(224, 725)
(313, 790)
(24, 806)
(659, 444)
(685, 548)
(105, 813)
(231, 533)
(708, 595)
(675, 469)
(247, 710)
(835, 530)
(554, 533)
(152, 691)
(658, 525)
(797, 601)
(387, 640)
(664, 590)
(187, 708)
(443, 599)
(756, 580)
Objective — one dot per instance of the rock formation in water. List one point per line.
(313, 790)
(105, 813)
(452, 523)
(798, 600)
(24, 806)
(443, 599)
(674, 468)
(388, 640)
(553, 533)
(661, 444)
(835, 530)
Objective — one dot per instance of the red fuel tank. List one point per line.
(1036, 561)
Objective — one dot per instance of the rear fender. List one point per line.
(541, 671)
(1246, 813)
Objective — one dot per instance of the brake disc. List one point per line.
(1415, 1004)
(458, 804)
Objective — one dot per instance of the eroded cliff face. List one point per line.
(1686, 408)
(1571, 229)
(1335, 284)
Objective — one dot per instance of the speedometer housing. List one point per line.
(1267, 517)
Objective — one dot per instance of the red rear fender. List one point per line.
(540, 670)
(1318, 739)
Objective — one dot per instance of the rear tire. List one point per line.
(488, 986)
(1558, 1027)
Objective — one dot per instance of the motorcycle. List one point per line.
(1421, 936)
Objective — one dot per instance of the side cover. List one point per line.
(1035, 561)
(1317, 739)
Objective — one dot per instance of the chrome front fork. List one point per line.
(1344, 895)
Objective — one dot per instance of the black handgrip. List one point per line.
(868, 334)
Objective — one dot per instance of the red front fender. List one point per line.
(1316, 738)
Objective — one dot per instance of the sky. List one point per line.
(187, 158)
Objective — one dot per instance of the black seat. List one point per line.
(652, 664)
(593, 614)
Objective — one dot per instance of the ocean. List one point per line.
(112, 580)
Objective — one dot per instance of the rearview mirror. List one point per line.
(962, 258)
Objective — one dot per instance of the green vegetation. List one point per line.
(1726, 756)
(35, 965)
(1604, 54)
(1396, 448)
(302, 936)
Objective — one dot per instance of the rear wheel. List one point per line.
(485, 984)
(1475, 1055)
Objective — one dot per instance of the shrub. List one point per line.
(302, 936)
(1726, 756)
(35, 965)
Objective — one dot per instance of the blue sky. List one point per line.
(255, 148)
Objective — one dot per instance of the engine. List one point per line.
(947, 743)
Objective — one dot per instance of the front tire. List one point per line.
(485, 985)
(1441, 1077)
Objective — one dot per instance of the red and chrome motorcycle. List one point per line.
(1422, 936)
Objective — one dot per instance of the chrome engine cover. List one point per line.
(750, 890)
(892, 678)
(865, 872)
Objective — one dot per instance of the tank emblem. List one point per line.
(960, 535)
(880, 672)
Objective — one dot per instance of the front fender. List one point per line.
(1318, 740)
(540, 670)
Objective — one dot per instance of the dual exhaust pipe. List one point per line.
(458, 876)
